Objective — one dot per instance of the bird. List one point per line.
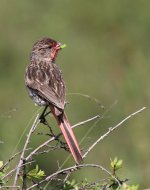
(45, 85)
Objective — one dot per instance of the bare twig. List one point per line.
(86, 121)
(39, 147)
(88, 97)
(53, 138)
(24, 176)
(112, 129)
(25, 147)
(10, 159)
(13, 170)
(107, 133)
(68, 170)
(10, 187)
(46, 151)
(72, 169)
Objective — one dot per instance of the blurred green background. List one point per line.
(107, 57)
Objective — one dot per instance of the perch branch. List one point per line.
(53, 138)
(25, 147)
(72, 169)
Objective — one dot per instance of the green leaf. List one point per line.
(116, 164)
(2, 174)
(119, 164)
(70, 185)
(133, 187)
(1, 164)
(35, 173)
(113, 162)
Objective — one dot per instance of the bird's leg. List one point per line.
(43, 115)
(47, 113)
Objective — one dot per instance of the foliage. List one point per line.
(103, 184)
(107, 184)
(70, 185)
(116, 165)
(2, 173)
(35, 173)
(33, 177)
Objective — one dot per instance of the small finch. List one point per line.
(46, 87)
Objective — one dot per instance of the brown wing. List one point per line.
(47, 80)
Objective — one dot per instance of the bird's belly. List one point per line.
(36, 98)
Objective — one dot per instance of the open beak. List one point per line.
(55, 50)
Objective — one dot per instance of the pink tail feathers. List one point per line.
(70, 139)
(68, 135)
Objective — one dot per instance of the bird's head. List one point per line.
(46, 48)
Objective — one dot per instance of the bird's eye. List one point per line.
(50, 45)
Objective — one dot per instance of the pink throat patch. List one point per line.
(54, 53)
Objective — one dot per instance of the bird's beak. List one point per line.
(60, 46)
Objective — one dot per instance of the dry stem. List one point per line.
(24, 148)
(71, 169)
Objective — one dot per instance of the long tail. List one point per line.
(69, 137)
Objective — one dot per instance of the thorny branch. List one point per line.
(10, 187)
(36, 122)
(69, 170)
(111, 129)
(53, 138)
(13, 170)
(107, 133)
(11, 158)
(72, 169)
(23, 159)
